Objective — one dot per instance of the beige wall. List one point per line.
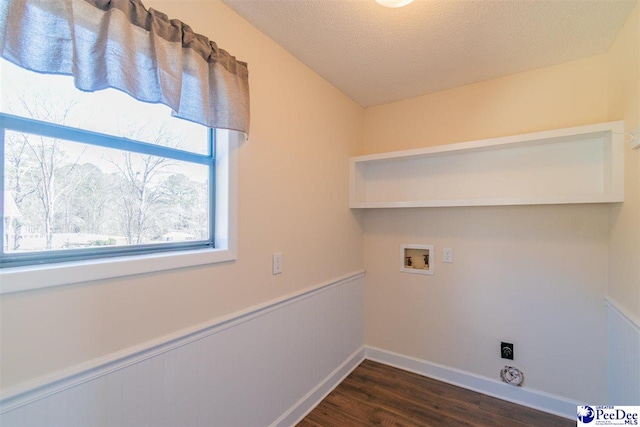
(293, 198)
(555, 97)
(623, 66)
(535, 276)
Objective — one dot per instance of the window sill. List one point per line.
(20, 279)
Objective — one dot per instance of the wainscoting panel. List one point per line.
(269, 365)
(624, 356)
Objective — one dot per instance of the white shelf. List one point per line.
(575, 165)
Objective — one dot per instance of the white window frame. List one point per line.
(16, 279)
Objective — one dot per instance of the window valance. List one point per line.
(121, 44)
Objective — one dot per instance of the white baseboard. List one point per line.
(526, 397)
(305, 405)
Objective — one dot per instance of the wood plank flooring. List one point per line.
(376, 394)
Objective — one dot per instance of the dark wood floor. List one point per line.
(376, 394)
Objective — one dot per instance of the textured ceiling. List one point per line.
(377, 55)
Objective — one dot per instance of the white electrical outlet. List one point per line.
(447, 255)
(277, 263)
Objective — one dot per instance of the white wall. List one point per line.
(623, 291)
(534, 276)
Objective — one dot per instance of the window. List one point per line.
(100, 176)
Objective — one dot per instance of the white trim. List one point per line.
(484, 144)
(306, 404)
(403, 179)
(39, 388)
(614, 305)
(500, 201)
(535, 399)
(43, 276)
(21, 279)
